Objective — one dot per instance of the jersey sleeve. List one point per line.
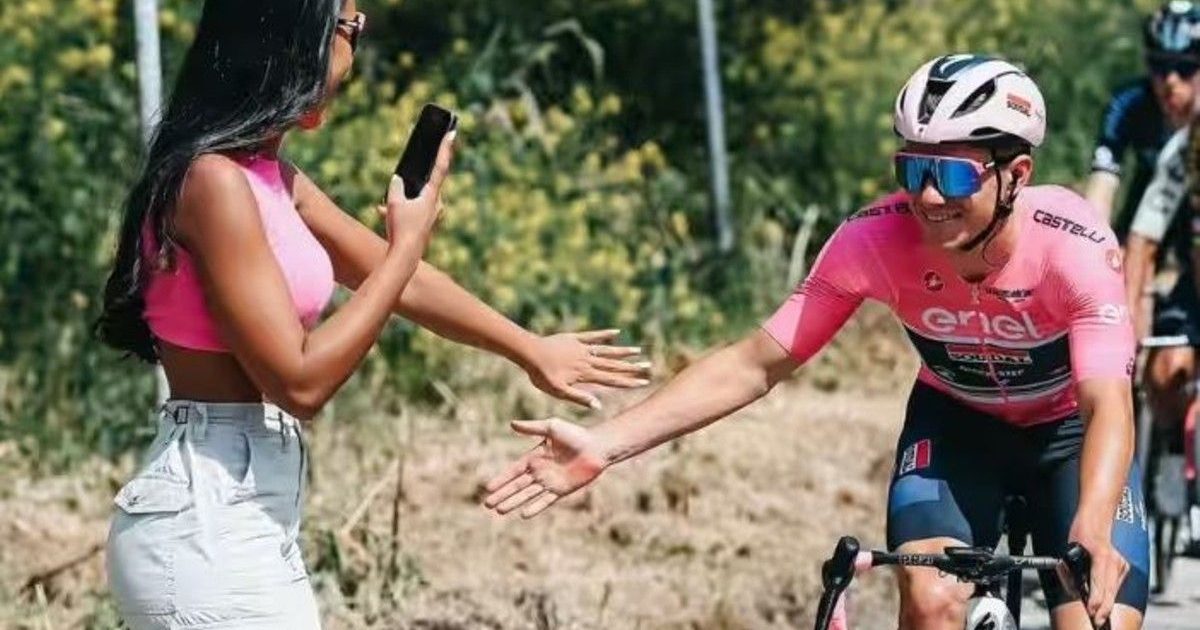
(823, 301)
(1099, 330)
(1114, 132)
(1165, 192)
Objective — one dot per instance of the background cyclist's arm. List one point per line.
(434, 301)
(217, 219)
(1102, 184)
(1101, 191)
(1139, 271)
(1155, 212)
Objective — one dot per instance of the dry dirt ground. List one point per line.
(724, 529)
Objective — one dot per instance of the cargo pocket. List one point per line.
(152, 493)
(144, 540)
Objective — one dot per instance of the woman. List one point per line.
(227, 257)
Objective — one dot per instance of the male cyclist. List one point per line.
(1143, 113)
(1169, 201)
(1012, 296)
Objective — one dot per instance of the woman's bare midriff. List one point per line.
(206, 376)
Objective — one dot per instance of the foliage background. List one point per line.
(580, 196)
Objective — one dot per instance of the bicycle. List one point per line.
(1170, 497)
(980, 566)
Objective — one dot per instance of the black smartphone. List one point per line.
(416, 163)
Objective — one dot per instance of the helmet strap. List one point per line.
(1004, 209)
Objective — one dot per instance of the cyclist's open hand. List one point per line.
(568, 458)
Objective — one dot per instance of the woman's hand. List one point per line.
(568, 458)
(559, 364)
(409, 219)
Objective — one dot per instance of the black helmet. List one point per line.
(1174, 30)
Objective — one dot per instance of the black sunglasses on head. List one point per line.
(354, 26)
(1162, 66)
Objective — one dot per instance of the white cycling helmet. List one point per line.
(970, 98)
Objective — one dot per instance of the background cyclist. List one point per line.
(1162, 222)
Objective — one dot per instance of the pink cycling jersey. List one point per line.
(1012, 345)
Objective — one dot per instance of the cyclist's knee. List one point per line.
(929, 600)
(1170, 367)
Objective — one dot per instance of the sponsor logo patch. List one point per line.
(917, 456)
(1112, 258)
(1009, 295)
(1111, 314)
(1019, 104)
(933, 282)
(1067, 225)
(968, 353)
(1125, 509)
(901, 207)
(944, 321)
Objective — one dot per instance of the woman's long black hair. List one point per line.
(255, 68)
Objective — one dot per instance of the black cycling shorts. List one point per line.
(955, 466)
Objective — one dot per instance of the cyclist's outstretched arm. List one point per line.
(571, 456)
(710, 389)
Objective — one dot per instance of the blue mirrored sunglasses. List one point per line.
(952, 177)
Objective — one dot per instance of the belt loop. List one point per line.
(283, 429)
(198, 425)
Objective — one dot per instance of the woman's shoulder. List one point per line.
(215, 193)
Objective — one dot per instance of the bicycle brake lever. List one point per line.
(836, 574)
(1079, 565)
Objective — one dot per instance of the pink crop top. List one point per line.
(176, 310)
(1012, 345)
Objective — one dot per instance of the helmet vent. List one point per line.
(986, 133)
(934, 92)
(976, 99)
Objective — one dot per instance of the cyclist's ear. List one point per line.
(1021, 170)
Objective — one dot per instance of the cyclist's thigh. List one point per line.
(946, 482)
(1053, 498)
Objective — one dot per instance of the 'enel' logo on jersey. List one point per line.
(1067, 225)
(946, 322)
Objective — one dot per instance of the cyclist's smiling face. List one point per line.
(949, 222)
